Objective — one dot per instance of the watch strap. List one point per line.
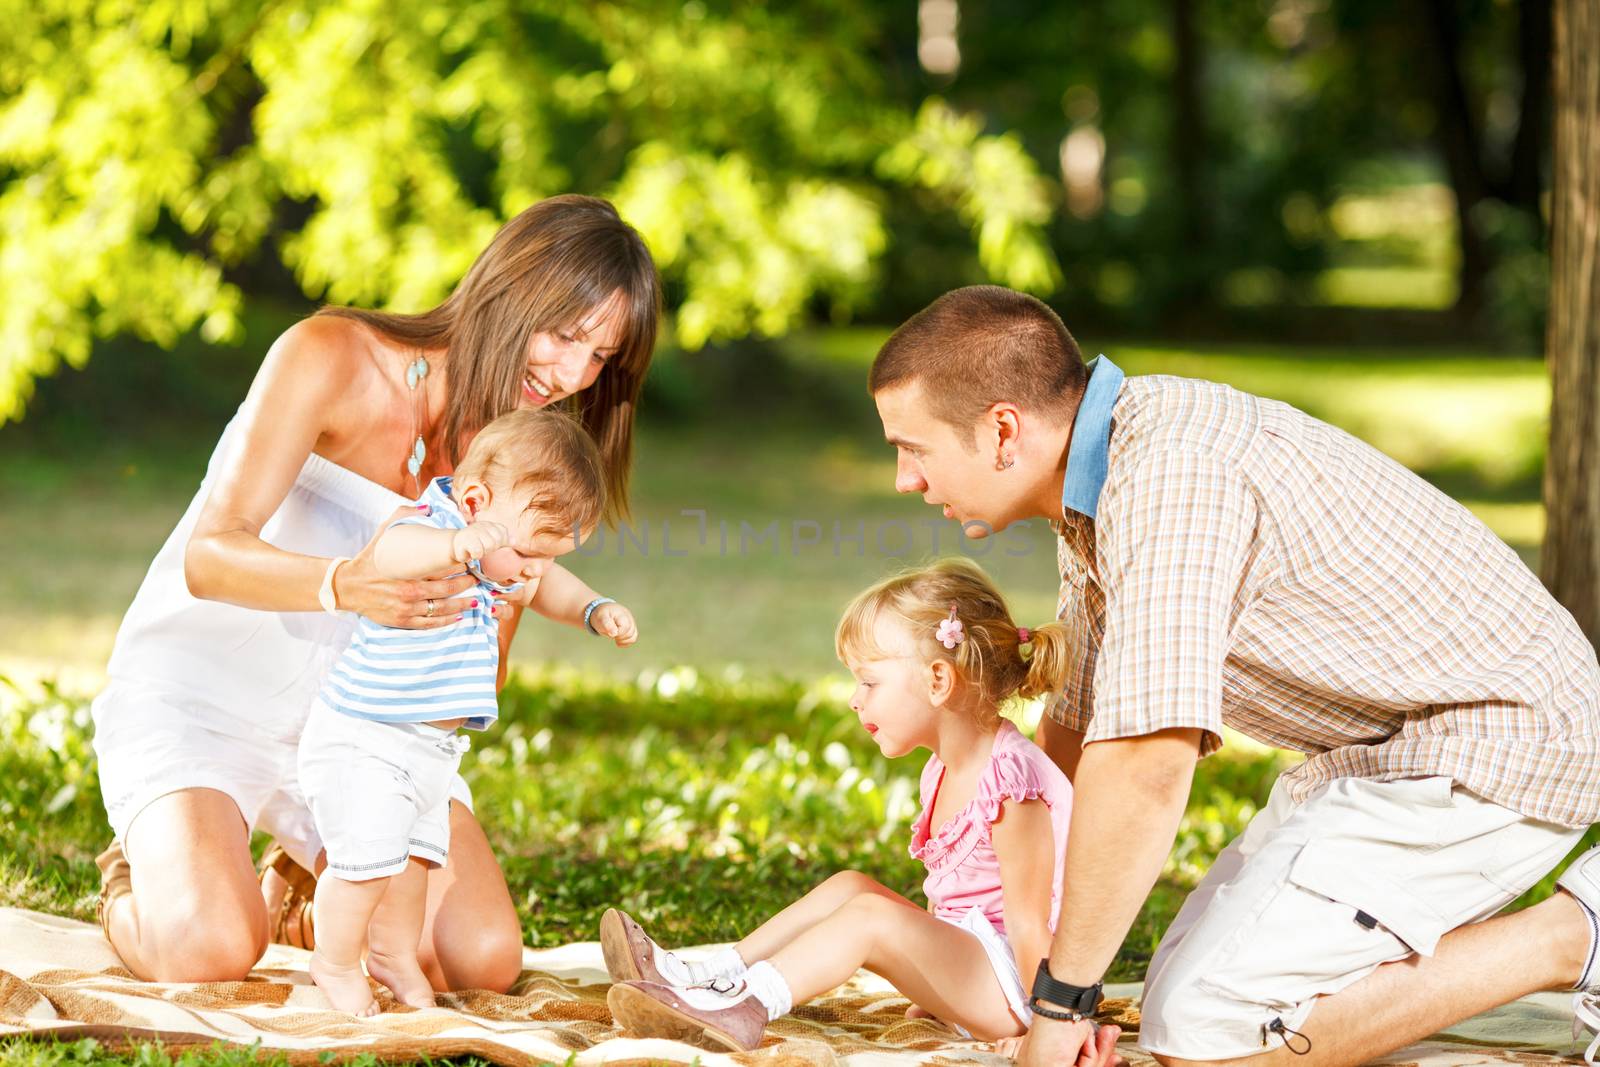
(1061, 1000)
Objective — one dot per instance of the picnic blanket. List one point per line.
(60, 979)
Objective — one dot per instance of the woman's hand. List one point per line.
(407, 603)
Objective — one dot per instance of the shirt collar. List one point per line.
(1091, 439)
(437, 496)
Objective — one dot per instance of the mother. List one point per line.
(225, 644)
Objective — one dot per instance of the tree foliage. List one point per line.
(151, 151)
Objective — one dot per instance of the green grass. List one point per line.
(25, 1053)
(701, 804)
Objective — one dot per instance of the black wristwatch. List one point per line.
(1070, 1002)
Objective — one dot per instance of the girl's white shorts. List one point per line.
(1001, 959)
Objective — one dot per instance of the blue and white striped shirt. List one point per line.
(394, 675)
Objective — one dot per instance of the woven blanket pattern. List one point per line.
(60, 979)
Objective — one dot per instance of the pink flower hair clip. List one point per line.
(950, 631)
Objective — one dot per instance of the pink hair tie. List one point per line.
(950, 631)
(1024, 635)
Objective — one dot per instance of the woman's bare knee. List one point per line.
(198, 914)
(199, 940)
(488, 956)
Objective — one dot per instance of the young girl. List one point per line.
(934, 653)
(380, 747)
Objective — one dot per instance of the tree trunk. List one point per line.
(1188, 148)
(1456, 127)
(1570, 565)
(1188, 122)
(1524, 182)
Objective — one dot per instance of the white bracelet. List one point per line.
(325, 596)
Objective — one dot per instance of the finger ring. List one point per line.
(427, 608)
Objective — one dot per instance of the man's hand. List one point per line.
(616, 622)
(1055, 1043)
(478, 540)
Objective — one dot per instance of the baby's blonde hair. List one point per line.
(990, 658)
(547, 452)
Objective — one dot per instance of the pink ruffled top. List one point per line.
(963, 870)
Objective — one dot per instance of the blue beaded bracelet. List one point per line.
(588, 611)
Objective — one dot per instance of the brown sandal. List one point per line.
(116, 878)
(293, 923)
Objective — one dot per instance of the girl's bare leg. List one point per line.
(771, 936)
(394, 935)
(343, 912)
(939, 966)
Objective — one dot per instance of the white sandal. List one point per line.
(1586, 1016)
(1582, 880)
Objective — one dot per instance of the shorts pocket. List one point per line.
(1346, 875)
(1325, 925)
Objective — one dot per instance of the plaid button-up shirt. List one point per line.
(1229, 559)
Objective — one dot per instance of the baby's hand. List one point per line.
(478, 540)
(616, 622)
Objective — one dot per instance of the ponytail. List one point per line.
(1047, 666)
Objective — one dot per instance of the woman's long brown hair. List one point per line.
(546, 269)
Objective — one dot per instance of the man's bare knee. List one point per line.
(1174, 1061)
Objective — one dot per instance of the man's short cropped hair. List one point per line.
(981, 345)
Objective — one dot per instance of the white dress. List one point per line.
(204, 694)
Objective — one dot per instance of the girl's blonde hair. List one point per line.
(990, 657)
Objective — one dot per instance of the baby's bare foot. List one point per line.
(403, 976)
(346, 987)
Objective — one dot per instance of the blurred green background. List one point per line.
(1336, 203)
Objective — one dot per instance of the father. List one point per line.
(1228, 559)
